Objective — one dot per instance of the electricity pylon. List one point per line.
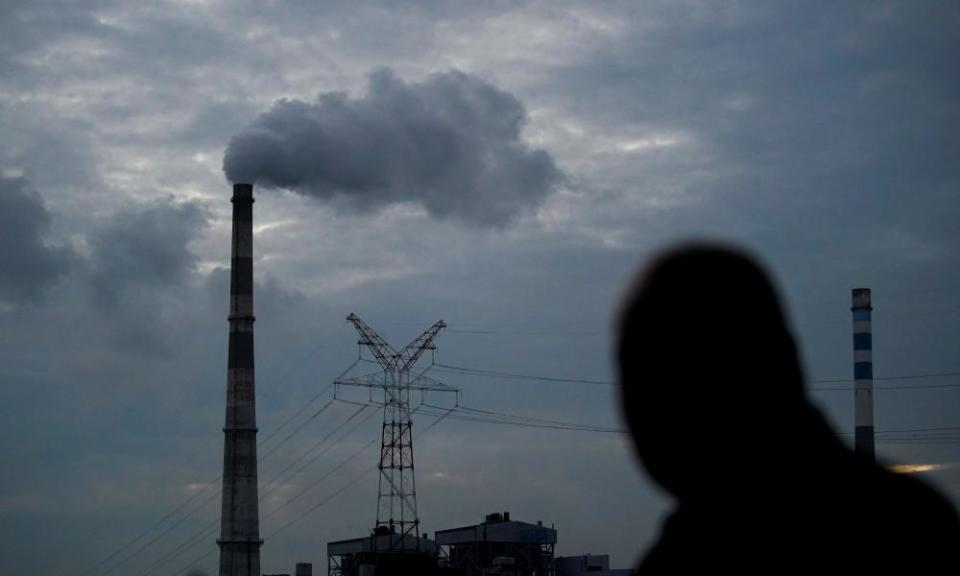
(397, 493)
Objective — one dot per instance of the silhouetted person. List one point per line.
(713, 393)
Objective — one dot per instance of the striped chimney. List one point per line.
(239, 521)
(863, 372)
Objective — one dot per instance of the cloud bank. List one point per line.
(30, 265)
(451, 143)
(145, 247)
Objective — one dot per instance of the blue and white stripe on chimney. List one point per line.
(863, 372)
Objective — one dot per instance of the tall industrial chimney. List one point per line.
(239, 520)
(863, 372)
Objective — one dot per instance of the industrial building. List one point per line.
(498, 545)
(383, 553)
(302, 569)
(588, 565)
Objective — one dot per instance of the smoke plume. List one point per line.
(451, 143)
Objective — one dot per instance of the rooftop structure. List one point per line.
(499, 545)
(369, 555)
(588, 565)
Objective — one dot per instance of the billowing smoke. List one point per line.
(451, 143)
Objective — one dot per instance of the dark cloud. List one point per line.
(821, 137)
(28, 263)
(144, 249)
(140, 275)
(451, 142)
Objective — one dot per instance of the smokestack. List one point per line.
(863, 372)
(239, 520)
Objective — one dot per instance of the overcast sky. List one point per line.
(504, 166)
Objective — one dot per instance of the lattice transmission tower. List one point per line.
(397, 493)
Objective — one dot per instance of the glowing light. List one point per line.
(915, 468)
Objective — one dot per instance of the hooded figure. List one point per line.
(713, 393)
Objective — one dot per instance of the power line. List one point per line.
(304, 407)
(297, 429)
(301, 361)
(473, 371)
(318, 454)
(198, 537)
(326, 500)
(889, 378)
(342, 489)
(519, 328)
(451, 369)
(468, 418)
(316, 444)
(932, 442)
(528, 332)
(329, 473)
(196, 495)
(439, 419)
(169, 529)
(903, 439)
(160, 536)
(465, 413)
(294, 416)
(506, 419)
(195, 561)
(146, 532)
(346, 486)
(940, 429)
(529, 419)
(944, 433)
(203, 533)
(516, 420)
(189, 543)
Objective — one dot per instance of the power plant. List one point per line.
(499, 545)
(395, 546)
